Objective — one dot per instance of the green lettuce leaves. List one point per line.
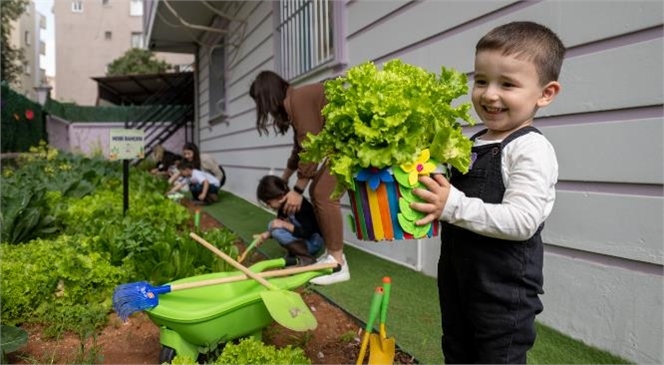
(383, 118)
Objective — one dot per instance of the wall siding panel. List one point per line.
(431, 17)
(597, 81)
(605, 306)
(590, 152)
(624, 226)
(362, 13)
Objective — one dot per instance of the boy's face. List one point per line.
(507, 93)
(275, 204)
(186, 172)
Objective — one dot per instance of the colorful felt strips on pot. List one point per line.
(375, 212)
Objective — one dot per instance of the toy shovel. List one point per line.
(382, 348)
(286, 307)
(251, 246)
(376, 300)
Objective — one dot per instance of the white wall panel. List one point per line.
(269, 157)
(626, 226)
(259, 32)
(608, 79)
(605, 306)
(361, 13)
(258, 56)
(592, 152)
(417, 23)
(568, 19)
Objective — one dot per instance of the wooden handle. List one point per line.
(265, 274)
(233, 263)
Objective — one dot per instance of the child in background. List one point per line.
(165, 160)
(299, 233)
(200, 161)
(203, 185)
(490, 267)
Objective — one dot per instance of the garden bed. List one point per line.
(336, 340)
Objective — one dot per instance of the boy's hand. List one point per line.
(201, 196)
(261, 238)
(435, 198)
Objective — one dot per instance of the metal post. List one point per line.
(125, 186)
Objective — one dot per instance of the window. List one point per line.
(136, 40)
(105, 2)
(76, 6)
(27, 38)
(108, 35)
(309, 35)
(136, 8)
(26, 67)
(217, 88)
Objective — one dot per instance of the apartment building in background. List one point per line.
(26, 35)
(90, 34)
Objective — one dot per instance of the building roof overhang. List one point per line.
(165, 24)
(140, 89)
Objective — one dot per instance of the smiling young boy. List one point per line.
(490, 267)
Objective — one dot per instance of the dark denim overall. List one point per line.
(488, 287)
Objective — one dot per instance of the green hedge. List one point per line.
(23, 122)
(80, 113)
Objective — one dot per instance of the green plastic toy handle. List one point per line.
(387, 287)
(375, 308)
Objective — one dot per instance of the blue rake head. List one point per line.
(134, 297)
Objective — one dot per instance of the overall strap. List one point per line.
(519, 133)
(474, 137)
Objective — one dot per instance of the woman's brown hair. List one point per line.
(269, 91)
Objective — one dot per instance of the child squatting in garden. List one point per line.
(202, 184)
(298, 233)
(490, 267)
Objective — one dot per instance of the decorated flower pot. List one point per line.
(381, 200)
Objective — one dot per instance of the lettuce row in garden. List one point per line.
(384, 118)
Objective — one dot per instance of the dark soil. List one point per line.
(336, 340)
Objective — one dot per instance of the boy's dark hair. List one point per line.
(271, 187)
(527, 41)
(269, 91)
(187, 165)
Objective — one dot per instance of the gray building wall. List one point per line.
(604, 249)
(82, 50)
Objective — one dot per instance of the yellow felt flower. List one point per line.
(421, 166)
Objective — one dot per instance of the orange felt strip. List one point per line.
(384, 204)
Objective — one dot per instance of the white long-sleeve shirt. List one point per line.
(530, 172)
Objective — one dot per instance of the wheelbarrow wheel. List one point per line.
(166, 355)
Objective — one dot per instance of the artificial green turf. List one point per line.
(413, 315)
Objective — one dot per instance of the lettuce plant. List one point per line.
(384, 118)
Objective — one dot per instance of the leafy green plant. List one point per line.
(252, 351)
(25, 215)
(61, 278)
(348, 337)
(182, 360)
(12, 339)
(384, 118)
(301, 339)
